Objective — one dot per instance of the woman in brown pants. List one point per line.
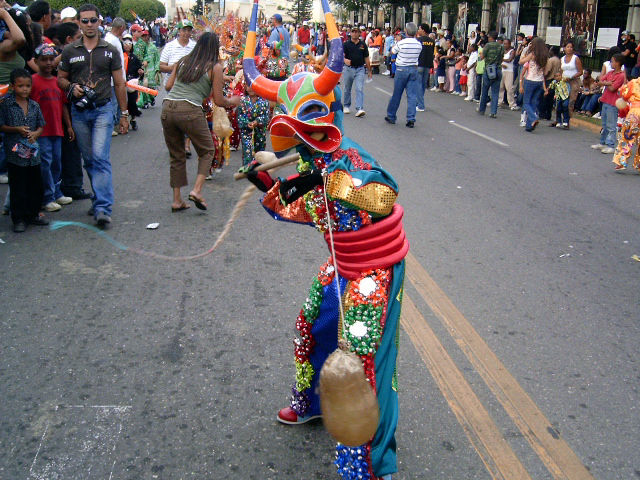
(195, 77)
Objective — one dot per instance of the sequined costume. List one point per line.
(368, 240)
(253, 139)
(630, 129)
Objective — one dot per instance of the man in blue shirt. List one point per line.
(280, 33)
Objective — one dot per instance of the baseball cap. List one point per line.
(277, 17)
(626, 32)
(361, 27)
(68, 12)
(45, 50)
(136, 28)
(145, 32)
(127, 36)
(185, 24)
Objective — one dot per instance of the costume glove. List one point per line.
(294, 187)
(262, 180)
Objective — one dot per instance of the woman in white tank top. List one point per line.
(571, 72)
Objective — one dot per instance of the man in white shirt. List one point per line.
(408, 51)
(176, 49)
(118, 27)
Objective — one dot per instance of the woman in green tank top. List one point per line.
(194, 78)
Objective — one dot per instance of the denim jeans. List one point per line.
(495, 90)
(423, 84)
(93, 133)
(478, 86)
(456, 82)
(3, 157)
(609, 116)
(532, 93)
(350, 74)
(116, 107)
(406, 79)
(562, 111)
(591, 103)
(51, 167)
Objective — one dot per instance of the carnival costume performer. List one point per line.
(630, 130)
(253, 118)
(367, 237)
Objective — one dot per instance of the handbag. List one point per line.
(492, 71)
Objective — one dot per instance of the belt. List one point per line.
(102, 103)
(379, 245)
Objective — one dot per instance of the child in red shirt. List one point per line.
(51, 99)
(611, 81)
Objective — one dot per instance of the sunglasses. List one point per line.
(87, 20)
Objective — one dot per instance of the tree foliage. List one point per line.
(147, 9)
(301, 10)
(108, 8)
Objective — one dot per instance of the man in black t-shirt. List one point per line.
(425, 63)
(629, 51)
(356, 56)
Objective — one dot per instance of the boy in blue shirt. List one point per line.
(22, 122)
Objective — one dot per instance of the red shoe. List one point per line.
(289, 417)
(619, 167)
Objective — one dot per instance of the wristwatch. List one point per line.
(125, 113)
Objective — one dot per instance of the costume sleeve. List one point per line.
(294, 212)
(263, 113)
(243, 121)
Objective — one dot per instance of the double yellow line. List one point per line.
(495, 452)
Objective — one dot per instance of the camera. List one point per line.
(86, 101)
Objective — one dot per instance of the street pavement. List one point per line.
(121, 366)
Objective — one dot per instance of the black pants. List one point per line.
(71, 168)
(26, 192)
(546, 106)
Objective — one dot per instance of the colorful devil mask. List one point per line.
(306, 100)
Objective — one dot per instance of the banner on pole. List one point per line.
(554, 35)
(507, 21)
(527, 30)
(460, 28)
(579, 25)
(607, 38)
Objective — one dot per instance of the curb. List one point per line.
(585, 125)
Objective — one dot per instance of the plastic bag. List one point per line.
(349, 404)
(221, 124)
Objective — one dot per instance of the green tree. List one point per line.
(108, 8)
(301, 10)
(146, 9)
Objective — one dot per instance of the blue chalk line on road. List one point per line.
(56, 225)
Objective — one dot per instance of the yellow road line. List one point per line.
(555, 453)
(485, 436)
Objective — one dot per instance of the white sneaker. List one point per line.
(346, 110)
(596, 115)
(558, 125)
(523, 123)
(52, 207)
(598, 146)
(4, 178)
(64, 200)
(387, 72)
(514, 108)
(467, 99)
(607, 150)
(462, 94)
(418, 109)
(434, 89)
(360, 113)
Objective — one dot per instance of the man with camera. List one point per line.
(85, 72)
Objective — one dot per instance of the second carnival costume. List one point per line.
(367, 238)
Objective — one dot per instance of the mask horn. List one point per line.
(261, 85)
(330, 75)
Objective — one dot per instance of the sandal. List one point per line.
(198, 202)
(184, 206)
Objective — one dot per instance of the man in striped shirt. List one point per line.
(408, 51)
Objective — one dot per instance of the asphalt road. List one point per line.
(119, 366)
